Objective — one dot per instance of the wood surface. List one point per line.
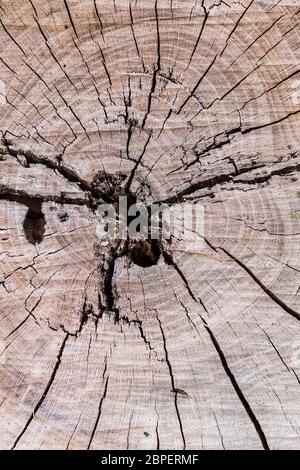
(163, 100)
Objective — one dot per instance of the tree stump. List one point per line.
(150, 346)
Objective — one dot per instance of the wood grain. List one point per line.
(166, 101)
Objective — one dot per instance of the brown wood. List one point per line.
(171, 101)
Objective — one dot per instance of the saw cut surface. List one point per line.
(146, 344)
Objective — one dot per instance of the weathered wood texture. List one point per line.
(190, 100)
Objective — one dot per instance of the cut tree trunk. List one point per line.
(126, 345)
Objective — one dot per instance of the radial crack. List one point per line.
(44, 395)
(174, 389)
(270, 294)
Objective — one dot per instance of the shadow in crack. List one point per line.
(144, 253)
(34, 223)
